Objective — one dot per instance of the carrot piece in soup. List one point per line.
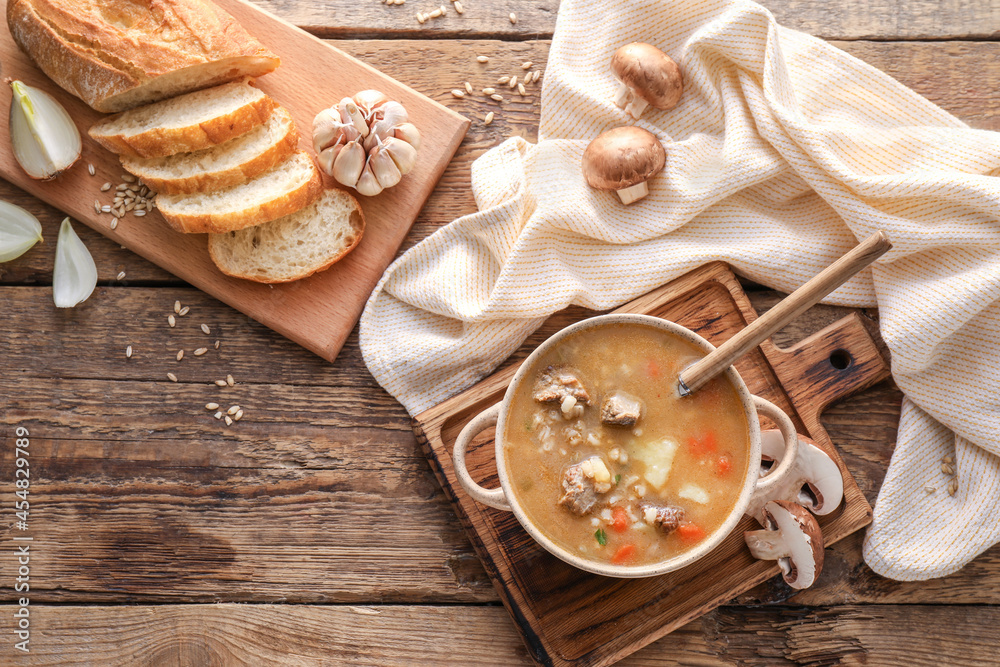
(690, 532)
(703, 445)
(653, 368)
(723, 465)
(619, 519)
(624, 554)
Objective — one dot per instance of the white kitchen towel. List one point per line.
(782, 153)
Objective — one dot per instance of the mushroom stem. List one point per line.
(623, 95)
(634, 193)
(766, 544)
(636, 106)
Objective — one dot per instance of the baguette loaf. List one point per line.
(190, 122)
(231, 163)
(292, 247)
(119, 55)
(292, 185)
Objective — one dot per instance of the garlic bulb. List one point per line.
(19, 231)
(366, 142)
(75, 274)
(45, 139)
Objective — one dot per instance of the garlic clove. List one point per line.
(19, 231)
(409, 133)
(368, 185)
(75, 274)
(370, 100)
(349, 163)
(393, 113)
(327, 158)
(357, 118)
(402, 153)
(384, 168)
(44, 137)
(326, 127)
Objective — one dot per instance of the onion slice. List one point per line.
(45, 139)
(75, 274)
(19, 231)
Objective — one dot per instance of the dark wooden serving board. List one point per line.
(318, 312)
(569, 617)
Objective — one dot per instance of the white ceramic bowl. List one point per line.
(505, 498)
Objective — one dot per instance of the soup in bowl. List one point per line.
(607, 466)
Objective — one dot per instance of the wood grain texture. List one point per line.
(92, 409)
(389, 636)
(809, 294)
(568, 617)
(850, 19)
(121, 445)
(317, 312)
(958, 76)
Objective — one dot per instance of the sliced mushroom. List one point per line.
(814, 481)
(792, 537)
(623, 159)
(647, 77)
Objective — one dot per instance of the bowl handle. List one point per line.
(495, 498)
(766, 485)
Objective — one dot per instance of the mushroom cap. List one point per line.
(622, 157)
(816, 482)
(802, 541)
(649, 73)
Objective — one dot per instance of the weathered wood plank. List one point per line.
(850, 19)
(88, 342)
(122, 422)
(961, 80)
(228, 634)
(128, 521)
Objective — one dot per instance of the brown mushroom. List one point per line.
(646, 76)
(815, 481)
(623, 159)
(792, 537)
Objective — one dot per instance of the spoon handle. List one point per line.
(796, 303)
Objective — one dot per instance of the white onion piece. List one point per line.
(75, 274)
(19, 231)
(45, 139)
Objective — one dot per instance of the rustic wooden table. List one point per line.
(313, 530)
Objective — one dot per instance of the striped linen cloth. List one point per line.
(783, 152)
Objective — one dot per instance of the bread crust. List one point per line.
(254, 214)
(116, 56)
(163, 141)
(358, 233)
(217, 180)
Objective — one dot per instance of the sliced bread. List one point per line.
(118, 55)
(190, 122)
(231, 163)
(288, 187)
(292, 247)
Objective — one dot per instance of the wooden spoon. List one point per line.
(697, 374)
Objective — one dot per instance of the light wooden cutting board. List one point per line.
(318, 312)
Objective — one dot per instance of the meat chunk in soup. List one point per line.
(665, 518)
(579, 497)
(620, 409)
(556, 384)
(582, 482)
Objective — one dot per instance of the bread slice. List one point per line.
(119, 55)
(292, 247)
(288, 187)
(190, 122)
(231, 163)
